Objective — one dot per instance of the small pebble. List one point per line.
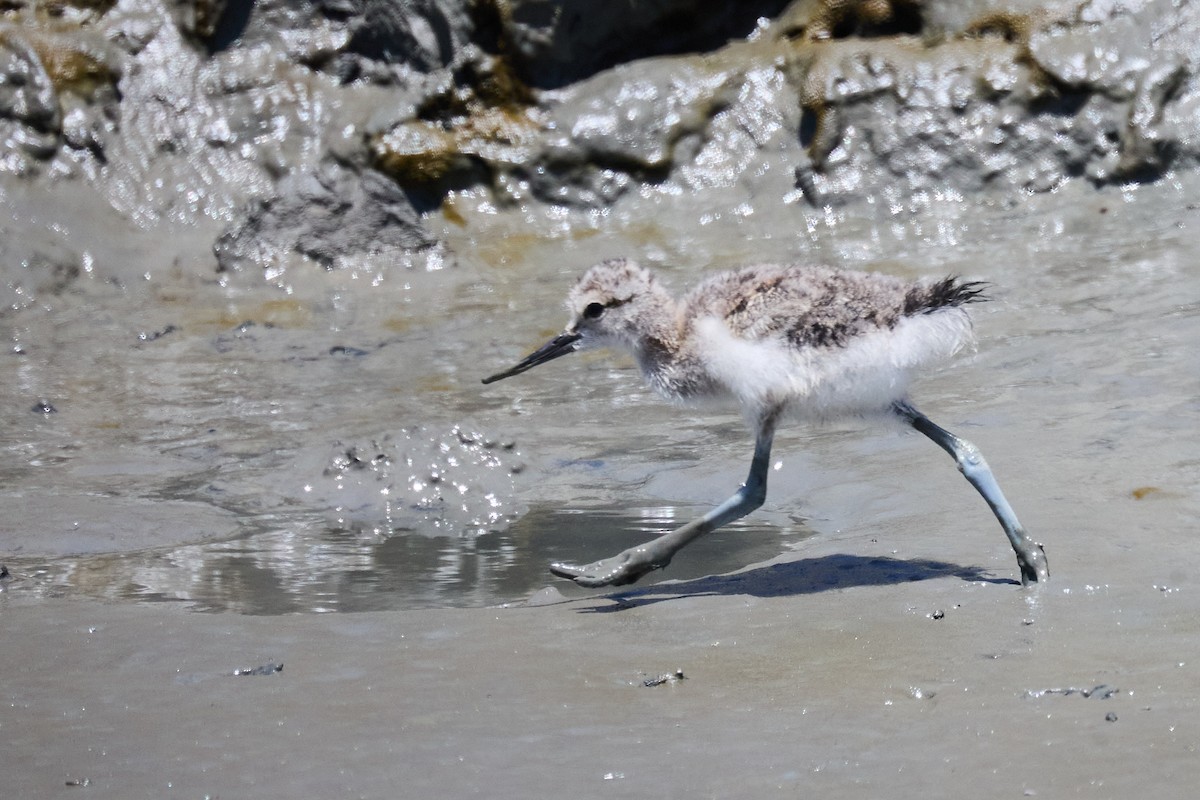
(150, 336)
(666, 677)
(265, 669)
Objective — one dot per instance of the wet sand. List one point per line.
(857, 670)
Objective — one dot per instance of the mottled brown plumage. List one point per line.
(772, 335)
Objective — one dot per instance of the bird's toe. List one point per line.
(620, 570)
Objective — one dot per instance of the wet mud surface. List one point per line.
(856, 687)
(874, 639)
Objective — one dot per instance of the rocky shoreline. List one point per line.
(292, 136)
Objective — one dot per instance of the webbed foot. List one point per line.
(620, 570)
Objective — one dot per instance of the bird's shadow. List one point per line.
(804, 576)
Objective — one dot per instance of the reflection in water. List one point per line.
(315, 568)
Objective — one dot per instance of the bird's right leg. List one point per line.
(1031, 557)
(630, 565)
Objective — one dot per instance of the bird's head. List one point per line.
(612, 304)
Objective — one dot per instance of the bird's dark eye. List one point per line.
(593, 311)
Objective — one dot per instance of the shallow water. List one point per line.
(191, 452)
(314, 568)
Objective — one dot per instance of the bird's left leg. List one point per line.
(630, 565)
(1031, 556)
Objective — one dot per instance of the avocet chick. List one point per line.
(781, 341)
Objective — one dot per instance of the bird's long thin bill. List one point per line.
(558, 346)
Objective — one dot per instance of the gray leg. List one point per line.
(632, 564)
(1031, 557)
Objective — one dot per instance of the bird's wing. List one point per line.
(806, 306)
